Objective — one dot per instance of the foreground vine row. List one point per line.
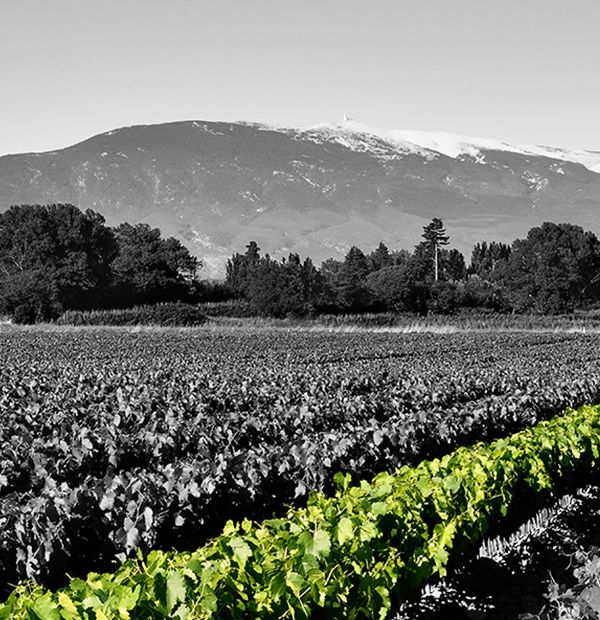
(343, 557)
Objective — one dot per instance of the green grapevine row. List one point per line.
(347, 556)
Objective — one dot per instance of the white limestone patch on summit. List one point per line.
(455, 146)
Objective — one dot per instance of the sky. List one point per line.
(524, 71)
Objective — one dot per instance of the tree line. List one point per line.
(554, 270)
(55, 258)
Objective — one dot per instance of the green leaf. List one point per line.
(317, 544)
(425, 486)
(209, 601)
(440, 556)
(128, 597)
(175, 590)
(452, 483)
(277, 586)
(241, 550)
(322, 543)
(385, 601)
(68, 609)
(379, 508)
(91, 602)
(342, 481)
(368, 531)
(45, 608)
(294, 582)
(345, 530)
(182, 613)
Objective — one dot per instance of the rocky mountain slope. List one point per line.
(315, 190)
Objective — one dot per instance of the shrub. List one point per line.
(167, 314)
(229, 308)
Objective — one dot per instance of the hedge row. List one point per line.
(348, 556)
(167, 314)
(230, 308)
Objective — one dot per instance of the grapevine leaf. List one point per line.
(345, 530)
(175, 590)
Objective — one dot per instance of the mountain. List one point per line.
(313, 190)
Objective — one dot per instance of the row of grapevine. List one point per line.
(115, 440)
(348, 556)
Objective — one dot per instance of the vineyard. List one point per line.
(116, 442)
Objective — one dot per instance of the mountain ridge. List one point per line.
(314, 190)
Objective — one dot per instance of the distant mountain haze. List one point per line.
(314, 190)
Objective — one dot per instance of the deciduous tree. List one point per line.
(555, 269)
(53, 257)
(148, 268)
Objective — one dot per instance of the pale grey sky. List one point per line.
(525, 71)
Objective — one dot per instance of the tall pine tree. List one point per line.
(435, 237)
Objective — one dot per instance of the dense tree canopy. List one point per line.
(240, 267)
(56, 257)
(396, 288)
(288, 287)
(380, 258)
(352, 292)
(555, 269)
(487, 257)
(148, 268)
(52, 257)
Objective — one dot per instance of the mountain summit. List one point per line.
(313, 190)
